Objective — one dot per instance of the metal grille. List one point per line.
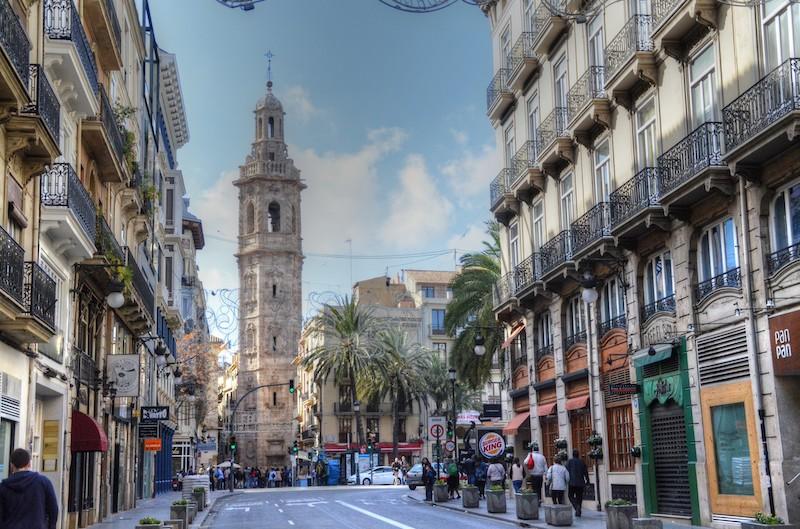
(778, 259)
(670, 365)
(618, 376)
(61, 22)
(497, 87)
(10, 395)
(670, 460)
(624, 492)
(638, 193)
(12, 266)
(60, 187)
(702, 148)
(634, 36)
(722, 356)
(591, 227)
(43, 100)
(499, 186)
(729, 279)
(13, 40)
(39, 294)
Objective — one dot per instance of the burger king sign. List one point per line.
(492, 445)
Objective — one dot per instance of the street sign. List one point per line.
(148, 430)
(155, 413)
(436, 426)
(492, 411)
(624, 389)
(152, 445)
(450, 446)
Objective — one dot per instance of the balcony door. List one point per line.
(659, 280)
(786, 218)
(596, 53)
(781, 31)
(612, 300)
(513, 244)
(646, 135)
(719, 250)
(703, 87)
(561, 86)
(505, 47)
(544, 333)
(533, 125)
(530, 16)
(510, 144)
(567, 189)
(602, 172)
(538, 224)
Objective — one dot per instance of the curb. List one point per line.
(212, 510)
(474, 513)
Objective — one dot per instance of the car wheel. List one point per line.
(412, 487)
(366, 481)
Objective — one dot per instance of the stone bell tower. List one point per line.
(270, 259)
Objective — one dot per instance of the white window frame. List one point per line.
(514, 244)
(709, 74)
(647, 131)
(534, 118)
(567, 200)
(602, 172)
(792, 10)
(538, 223)
(529, 16)
(612, 297)
(510, 143)
(560, 81)
(544, 330)
(505, 46)
(791, 237)
(575, 316)
(705, 250)
(659, 283)
(595, 35)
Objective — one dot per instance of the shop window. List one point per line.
(620, 438)
(549, 427)
(731, 450)
(580, 422)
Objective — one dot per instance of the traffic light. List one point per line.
(449, 429)
(291, 385)
(295, 448)
(232, 443)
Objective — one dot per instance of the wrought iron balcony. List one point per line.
(552, 127)
(84, 368)
(661, 9)
(109, 120)
(633, 37)
(503, 289)
(14, 41)
(618, 322)
(527, 272)
(548, 24)
(523, 160)
(518, 360)
(573, 339)
(592, 227)
(342, 407)
(39, 295)
(434, 330)
(522, 60)
(784, 256)
(140, 283)
(666, 304)
(498, 94)
(62, 22)
(762, 105)
(701, 149)
(556, 251)
(730, 279)
(499, 187)
(591, 85)
(635, 195)
(543, 352)
(12, 267)
(106, 242)
(43, 101)
(60, 188)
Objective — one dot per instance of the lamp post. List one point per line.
(357, 410)
(589, 295)
(451, 374)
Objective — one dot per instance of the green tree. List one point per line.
(439, 389)
(470, 311)
(398, 376)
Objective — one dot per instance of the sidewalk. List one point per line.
(157, 507)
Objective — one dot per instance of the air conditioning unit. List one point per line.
(10, 397)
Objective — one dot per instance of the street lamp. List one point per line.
(480, 348)
(115, 297)
(451, 374)
(357, 410)
(589, 295)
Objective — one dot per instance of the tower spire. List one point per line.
(269, 55)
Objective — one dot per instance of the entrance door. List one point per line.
(670, 460)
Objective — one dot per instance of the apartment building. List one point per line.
(649, 203)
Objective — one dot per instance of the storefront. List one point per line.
(87, 439)
(547, 414)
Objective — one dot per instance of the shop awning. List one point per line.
(661, 351)
(576, 403)
(514, 424)
(543, 410)
(87, 435)
(518, 329)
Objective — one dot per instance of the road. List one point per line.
(336, 508)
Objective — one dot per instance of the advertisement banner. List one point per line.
(123, 371)
(155, 413)
(492, 445)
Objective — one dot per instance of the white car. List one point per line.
(377, 476)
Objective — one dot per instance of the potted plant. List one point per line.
(561, 443)
(762, 521)
(179, 510)
(470, 497)
(148, 522)
(621, 513)
(199, 494)
(594, 440)
(192, 509)
(440, 491)
(527, 504)
(496, 499)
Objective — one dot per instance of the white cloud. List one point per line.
(471, 239)
(418, 212)
(298, 103)
(469, 174)
(460, 136)
(218, 208)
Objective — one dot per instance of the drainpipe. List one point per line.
(751, 336)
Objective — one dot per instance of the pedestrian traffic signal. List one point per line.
(232, 443)
(291, 385)
(449, 429)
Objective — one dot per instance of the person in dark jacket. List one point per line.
(578, 479)
(428, 478)
(27, 499)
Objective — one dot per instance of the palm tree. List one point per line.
(347, 351)
(439, 389)
(399, 376)
(470, 311)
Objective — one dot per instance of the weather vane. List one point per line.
(269, 55)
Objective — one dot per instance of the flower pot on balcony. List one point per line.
(527, 505)
(621, 516)
(470, 497)
(496, 501)
(440, 493)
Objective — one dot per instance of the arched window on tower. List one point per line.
(250, 218)
(271, 127)
(274, 212)
(259, 128)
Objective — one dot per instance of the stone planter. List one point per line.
(440, 493)
(621, 516)
(527, 506)
(647, 523)
(756, 525)
(180, 512)
(496, 501)
(149, 526)
(192, 511)
(174, 524)
(470, 497)
(558, 515)
(200, 499)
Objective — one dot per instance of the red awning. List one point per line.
(543, 410)
(337, 448)
(514, 424)
(518, 329)
(87, 435)
(576, 403)
(386, 448)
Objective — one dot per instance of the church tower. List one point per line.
(270, 260)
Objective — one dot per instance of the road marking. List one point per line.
(376, 516)
(237, 508)
(291, 522)
(280, 510)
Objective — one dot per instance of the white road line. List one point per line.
(291, 522)
(280, 510)
(376, 516)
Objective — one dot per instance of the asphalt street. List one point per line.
(341, 508)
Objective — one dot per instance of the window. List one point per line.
(781, 32)
(513, 244)
(428, 292)
(274, 343)
(441, 348)
(646, 149)
(575, 316)
(345, 427)
(620, 438)
(544, 331)
(530, 16)
(533, 124)
(168, 273)
(510, 144)
(373, 428)
(271, 127)
(596, 47)
(703, 87)
(731, 449)
(538, 224)
(612, 300)
(549, 428)
(274, 212)
(505, 47)
(250, 219)
(561, 83)
(786, 218)
(580, 422)
(602, 172)
(274, 290)
(659, 282)
(437, 320)
(567, 201)
(170, 205)
(345, 397)
(718, 250)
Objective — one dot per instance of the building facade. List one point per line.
(650, 259)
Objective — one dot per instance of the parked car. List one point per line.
(381, 475)
(414, 475)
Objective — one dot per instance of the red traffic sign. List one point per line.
(450, 446)
(437, 430)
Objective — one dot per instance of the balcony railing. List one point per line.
(618, 322)
(106, 243)
(592, 226)
(39, 294)
(61, 22)
(112, 15)
(543, 352)
(524, 159)
(590, 85)
(343, 407)
(109, 120)
(552, 127)
(522, 50)
(140, 283)
(635, 195)
(556, 251)
(84, 368)
(499, 186)
(665, 304)
(763, 104)
(702, 148)
(60, 187)
(43, 100)
(519, 360)
(784, 256)
(12, 267)
(633, 37)
(661, 9)
(730, 279)
(503, 289)
(497, 87)
(14, 40)
(527, 272)
(434, 330)
(573, 339)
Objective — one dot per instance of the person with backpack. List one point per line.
(481, 469)
(452, 479)
(536, 467)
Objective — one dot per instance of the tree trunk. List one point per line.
(359, 429)
(395, 428)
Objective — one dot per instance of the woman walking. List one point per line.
(517, 475)
(428, 477)
(558, 477)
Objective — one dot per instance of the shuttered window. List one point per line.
(620, 438)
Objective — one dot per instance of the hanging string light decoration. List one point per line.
(409, 6)
(222, 314)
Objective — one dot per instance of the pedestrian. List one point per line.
(220, 477)
(537, 467)
(452, 480)
(271, 479)
(396, 472)
(578, 479)
(428, 478)
(468, 466)
(403, 470)
(278, 478)
(496, 475)
(517, 475)
(558, 477)
(27, 498)
(481, 469)
(211, 477)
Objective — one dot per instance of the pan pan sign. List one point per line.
(155, 413)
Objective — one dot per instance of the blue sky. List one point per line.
(385, 119)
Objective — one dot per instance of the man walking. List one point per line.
(27, 499)
(537, 471)
(578, 479)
